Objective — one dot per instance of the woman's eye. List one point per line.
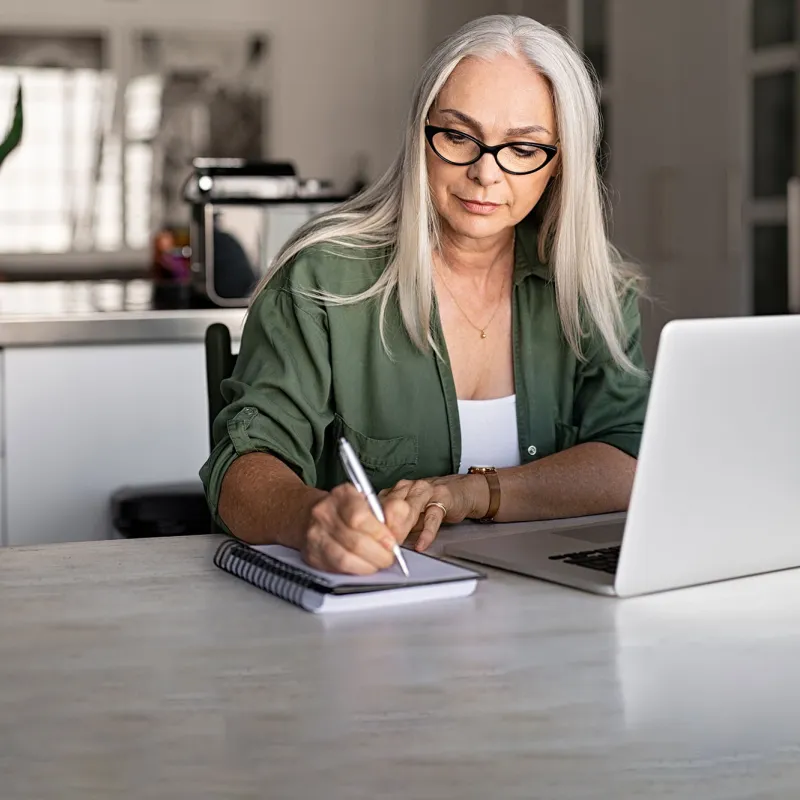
(525, 152)
(455, 138)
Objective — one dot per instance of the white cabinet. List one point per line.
(79, 422)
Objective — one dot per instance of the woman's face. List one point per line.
(497, 101)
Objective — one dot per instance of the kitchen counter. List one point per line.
(100, 312)
(102, 388)
(109, 385)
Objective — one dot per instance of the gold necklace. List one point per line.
(480, 330)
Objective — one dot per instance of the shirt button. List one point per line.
(532, 450)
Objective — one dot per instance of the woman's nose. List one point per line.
(485, 170)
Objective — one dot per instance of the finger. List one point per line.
(351, 507)
(399, 518)
(355, 513)
(418, 523)
(325, 553)
(379, 554)
(346, 517)
(356, 528)
(434, 516)
(418, 496)
(399, 490)
(342, 491)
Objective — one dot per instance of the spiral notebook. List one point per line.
(282, 572)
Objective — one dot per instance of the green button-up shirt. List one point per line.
(308, 373)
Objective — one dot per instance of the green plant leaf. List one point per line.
(14, 135)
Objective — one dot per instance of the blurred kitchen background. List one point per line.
(170, 147)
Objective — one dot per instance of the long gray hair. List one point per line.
(397, 212)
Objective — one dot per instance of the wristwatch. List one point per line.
(490, 473)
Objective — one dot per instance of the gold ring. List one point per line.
(438, 505)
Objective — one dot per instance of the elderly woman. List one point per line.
(463, 322)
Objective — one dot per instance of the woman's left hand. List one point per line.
(434, 501)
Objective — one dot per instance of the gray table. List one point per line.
(136, 669)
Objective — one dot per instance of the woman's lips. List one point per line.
(476, 207)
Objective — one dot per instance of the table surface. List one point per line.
(135, 668)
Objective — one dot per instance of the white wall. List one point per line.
(341, 70)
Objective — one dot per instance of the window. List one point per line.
(62, 190)
(109, 138)
(142, 121)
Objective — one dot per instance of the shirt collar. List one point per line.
(526, 254)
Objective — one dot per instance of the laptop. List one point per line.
(717, 488)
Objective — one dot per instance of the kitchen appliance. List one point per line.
(242, 212)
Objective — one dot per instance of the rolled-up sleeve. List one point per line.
(610, 402)
(278, 398)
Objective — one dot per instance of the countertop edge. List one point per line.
(154, 327)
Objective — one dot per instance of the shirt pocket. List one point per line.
(566, 436)
(385, 461)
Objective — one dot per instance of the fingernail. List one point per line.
(388, 543)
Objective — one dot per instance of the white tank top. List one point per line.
(489, 433)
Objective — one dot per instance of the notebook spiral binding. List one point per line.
(262, 571)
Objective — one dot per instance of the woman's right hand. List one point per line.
(344, 535)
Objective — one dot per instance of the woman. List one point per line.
(465, 311)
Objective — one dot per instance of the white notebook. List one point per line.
(282, 572)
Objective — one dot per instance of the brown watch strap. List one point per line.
(494, 491)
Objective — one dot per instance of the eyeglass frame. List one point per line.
(550, 150)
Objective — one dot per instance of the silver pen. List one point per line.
(355, 472)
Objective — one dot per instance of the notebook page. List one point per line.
(421, 568)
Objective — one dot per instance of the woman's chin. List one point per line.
(473, 226)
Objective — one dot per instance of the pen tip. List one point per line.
(401, 561)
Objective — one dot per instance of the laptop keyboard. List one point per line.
(604, 559)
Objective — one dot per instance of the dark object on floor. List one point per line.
(176, 509)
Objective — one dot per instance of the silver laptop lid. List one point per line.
(717, 488)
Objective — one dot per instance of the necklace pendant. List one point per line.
(483, 334)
